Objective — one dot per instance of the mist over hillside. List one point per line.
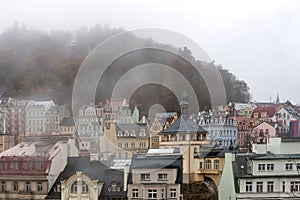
(43, 65)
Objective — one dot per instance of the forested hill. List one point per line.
(42, 65)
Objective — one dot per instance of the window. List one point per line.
(120, 145)
(39, 165)
(40, 186)
(28, 186)
(145, 177)
(16, 165)
(270, 186)
(283, 186)
(173, 192)
(201, 165)
(74, 187)
(295, 186)
(135, 193)
(261, 167)
(132, 133)
(162, 177)
(259, 186)
(4, 165)
(270, 167)
(28, 165)
(216, 164)
(142, 133)
(298, 166)
(248, 186)
(3, 186)
(152, 194)
(289, 166)
(16, 185)
(208, 164)
(85, 187)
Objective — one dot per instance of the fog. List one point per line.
(259, 41)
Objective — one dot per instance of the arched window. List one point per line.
(85, 188)
(207, 164)
(74, 187)
(216, 164)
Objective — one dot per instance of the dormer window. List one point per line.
(142, 133)
(126, 134)
(132, 133)
(120, 134)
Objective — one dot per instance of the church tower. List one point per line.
(184, 105)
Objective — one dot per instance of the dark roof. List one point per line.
(94, 170)
(182, 125)
(67, 121)
(143, 161)
(130, 127)
(213, 152)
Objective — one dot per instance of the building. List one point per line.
(54, 117)
(156, 175)
(15, 121)
(35, 116)
(266, 113)
(29, 169)
(244, 109)
(270, 172)
(189, 137)
(245, 125)
(262, 132)
(87, 178)
(126, 135)
(222, 131)
(67, 126)
(154, 130)
(89, 125)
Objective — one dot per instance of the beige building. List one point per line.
(126, 136)
(156, 175)
(189, 137)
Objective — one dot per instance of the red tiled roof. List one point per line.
(271, 110)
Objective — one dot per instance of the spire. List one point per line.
(136, 114)
(184, 104)
(277, 99)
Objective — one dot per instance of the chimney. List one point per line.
(94, 157)
(126, 173)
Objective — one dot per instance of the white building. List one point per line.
(270, 172)
(35, 116)
(222, 132)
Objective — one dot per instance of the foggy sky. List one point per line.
(258, 41)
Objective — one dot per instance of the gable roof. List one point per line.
(271, 110)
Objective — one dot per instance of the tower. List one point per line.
(184, 105)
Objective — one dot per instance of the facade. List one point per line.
(189, 137)
(244, 133)
(35, 116)
(29, 169)
(89, 125)
(54, 116)
(126, 135)
(270, 172)
(154, 130)
(222, 132)
(156, 175)
(244, 109)
(86, 178)
(262, 132)
(15, 122)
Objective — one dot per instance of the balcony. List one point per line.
(208, 171)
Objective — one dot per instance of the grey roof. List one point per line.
(130, 127)
(94, 170)
(142, 161)
(67, 121)
(182, 125)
